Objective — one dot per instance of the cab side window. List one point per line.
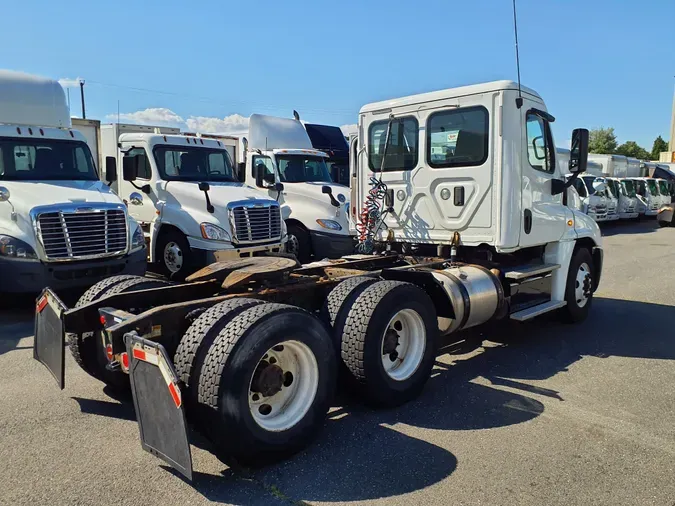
(144, 170)
(265, 162)
(540, 149)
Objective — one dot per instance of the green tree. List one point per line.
(631, 148)
(659, 146)
(602, 140)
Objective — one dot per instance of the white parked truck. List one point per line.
(60, 226)
(183, 190)
(277, 156)
(475, 231)
(648, 192)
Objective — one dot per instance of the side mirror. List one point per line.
(558, 186)
(241, 172)
(204, 187)
(130, 168)
(279, 187)
(258, 172)
(579, 151)
(110, 169)
(269, 178)
(329, 191)
(599, 185)
(4, 194)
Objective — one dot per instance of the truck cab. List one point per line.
(598, 203)
(647, 192)
(278, 158)
(626, 204)
(59, 224)
(331, 141)
(629, 187)
(184, 191)
(664, 191)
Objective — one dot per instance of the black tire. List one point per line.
(87, 348)
(304, 243)
(334, 313)
(166, 237)
(363, 335)
(228, 371)
(573, 312)
(195, 344)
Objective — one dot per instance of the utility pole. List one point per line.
(84, 114)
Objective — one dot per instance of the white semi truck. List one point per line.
(249, 351)
(183, 190)
(277, 151)
(60, 226)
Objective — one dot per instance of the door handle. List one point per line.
(458, 196)
(527, 225)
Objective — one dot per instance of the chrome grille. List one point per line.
(255, 223)
(83, 234)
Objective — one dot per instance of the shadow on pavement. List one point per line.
(621, 227)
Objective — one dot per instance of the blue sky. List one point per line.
(595, 62)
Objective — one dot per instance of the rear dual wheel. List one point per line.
(88, 348)
(265, 383)
(387, 332)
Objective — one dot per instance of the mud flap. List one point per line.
(158, 403)
(50, 337)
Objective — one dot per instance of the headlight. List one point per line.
(214, 233)
(10, 247)
(137, 239)
(329, 224)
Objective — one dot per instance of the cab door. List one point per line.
(543, 214)
(143, 211)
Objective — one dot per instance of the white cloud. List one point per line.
(161, 116)
(349, 129)
(229, 124)
(67, 82)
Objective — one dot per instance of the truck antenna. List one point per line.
(519, 100)
(118, 112)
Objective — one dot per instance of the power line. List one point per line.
(334, 112)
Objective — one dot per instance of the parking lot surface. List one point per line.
(533, 414)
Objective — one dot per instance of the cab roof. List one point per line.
(474, 89)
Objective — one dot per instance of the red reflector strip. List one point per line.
(175, 394)
(102, 320)
(42, 303)
(125, 361)
(109, 352)
(139, 354)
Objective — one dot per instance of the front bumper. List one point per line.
(325, 245)
(598, 217)
(651, 212)
(25, 276)
(628, 216)
(202, 257)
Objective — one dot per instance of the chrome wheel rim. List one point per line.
(583, 285)
(173, 257)
(283, 386)
(403, 344)
(293, 245)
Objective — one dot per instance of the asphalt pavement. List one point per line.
(534, 414)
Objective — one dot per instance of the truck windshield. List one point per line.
(629, 187)
(641, 188)
(663, 188)
(653, 188)
(302, 169)
(45, 160)
(183, 163)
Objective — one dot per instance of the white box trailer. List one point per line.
(91, 129)
(610, 165)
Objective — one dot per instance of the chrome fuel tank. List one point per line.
(476, 295)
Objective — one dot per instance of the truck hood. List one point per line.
(313, 191)
(188, 196)
(25, 195)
